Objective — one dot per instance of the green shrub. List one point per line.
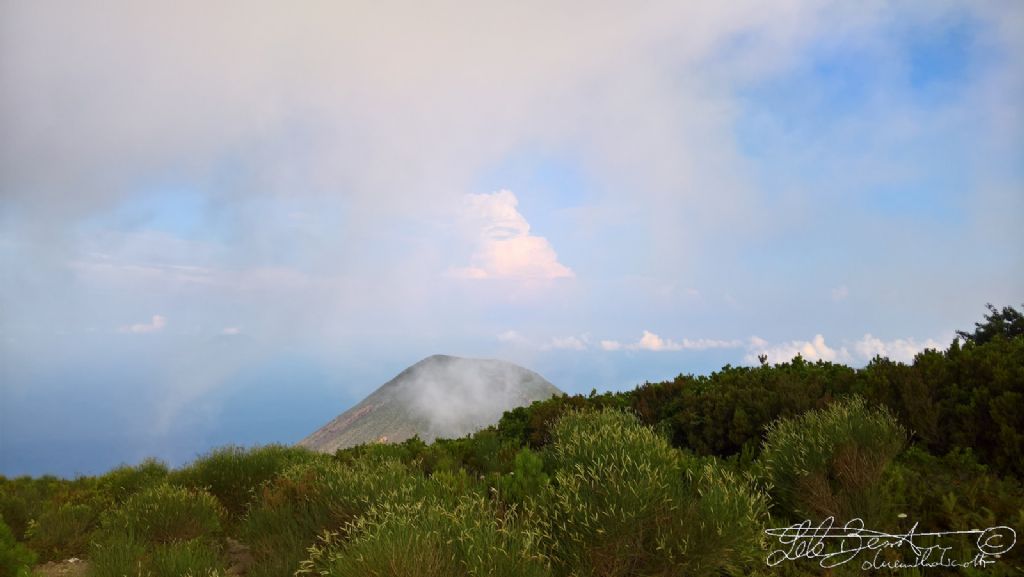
(308, 498)
(527, 481)
(431, 538)
(24, 499)
(124, 481)
(624, 502)
(118, 556)
(232, 474)
(162, 531)
(128, 557)
(63, 531)
(198, 557)
(164, 514)
(830, 462)
(16, 560)
(955, 493)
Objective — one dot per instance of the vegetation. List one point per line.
(674, 478)
(15, 558)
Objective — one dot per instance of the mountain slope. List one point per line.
(440, 396)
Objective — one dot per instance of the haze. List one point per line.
(228, 222)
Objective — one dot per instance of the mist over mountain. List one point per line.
(440, 396)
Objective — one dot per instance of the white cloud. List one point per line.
(512, 337)
(902, 350)
(812, 350)
(568, 343)
(860, 352)
(156, 324)
(652, 342)
(504, 247)
(231, 331)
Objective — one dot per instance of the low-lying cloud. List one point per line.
(156, 324)
(652, 342)
(858, 353)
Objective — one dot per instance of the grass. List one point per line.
(830, 462)
(163, 531)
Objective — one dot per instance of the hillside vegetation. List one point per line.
(674, 478)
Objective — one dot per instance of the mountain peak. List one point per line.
(439, 396)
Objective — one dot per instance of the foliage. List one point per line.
(308, 498)
(1007, 323)
(15, 559)
(669, 478)
(162, 531)
(527, 481)
(431, 538)
(625, 502)
(63, 531)
(127, 556)
(829, 462)
(232, 474)
(164, 514)
(24, 498)
(121, 483)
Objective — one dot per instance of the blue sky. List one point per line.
(228, 229)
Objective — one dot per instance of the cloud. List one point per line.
(812, 350)
(156, 324)
(568, 343)
(231, 331)
(860, 352)
(902, 350)
(512, 337)
(504, 247)
(652, 342)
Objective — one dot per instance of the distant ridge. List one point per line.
(439, 397)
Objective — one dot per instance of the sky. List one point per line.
(228, 222)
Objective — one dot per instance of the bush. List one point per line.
(830, 462)
(232, 474)
(164, 514)
(624, 502)
(430, 538)
(308, 498)
(24, 499)
(527, 481)
(955, 493)
(121, 483)
(128, 557)
(161, 531)
(196, 557)
(16, 560)
(63, 531)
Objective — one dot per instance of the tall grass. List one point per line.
(122, 482)
(63, 527)
(624, 502)
(162, 531)
(308, 498)
(831, 462)
(232, 474)
(431, 538)
(63, 531)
